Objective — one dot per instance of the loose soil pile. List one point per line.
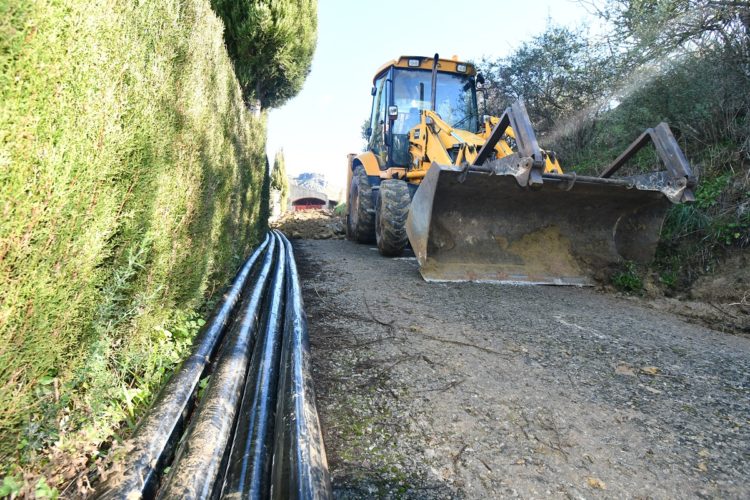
(312, 225)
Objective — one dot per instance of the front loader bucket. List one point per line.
(489, 225)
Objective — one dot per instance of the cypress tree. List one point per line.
(271, 43)
(279, 179)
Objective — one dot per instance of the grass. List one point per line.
(133, 183)
(340, 209)
(628, 278)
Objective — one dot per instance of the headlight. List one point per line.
(414, 63)
(461, 68)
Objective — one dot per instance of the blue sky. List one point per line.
(322, 123)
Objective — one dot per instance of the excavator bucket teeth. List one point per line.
(485, 225)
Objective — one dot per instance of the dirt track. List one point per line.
(479, 391)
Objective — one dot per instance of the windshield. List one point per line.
(456, 101)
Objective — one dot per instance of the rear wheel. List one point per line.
(390, 217)
(360, 221)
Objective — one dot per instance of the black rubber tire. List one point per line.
(390, 217)
(360, 219)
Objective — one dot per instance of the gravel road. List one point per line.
(467, 390)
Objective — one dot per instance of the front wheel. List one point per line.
(360, 219)
(390, 217)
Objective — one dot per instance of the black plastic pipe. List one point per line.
(198, 462)
(155, 437)
(260, 399)
(249, 469)
(300, 468)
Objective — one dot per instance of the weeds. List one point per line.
(668, 279)
(628, 279)
(696, 236)
(10, 486)
(340, 209)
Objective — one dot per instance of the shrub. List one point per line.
(279, 180)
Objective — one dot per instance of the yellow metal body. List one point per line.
(432, 138)
(430, 142)
(369, 160)
(491, 205)
(444, 65)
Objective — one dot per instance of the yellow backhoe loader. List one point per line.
(479, 200)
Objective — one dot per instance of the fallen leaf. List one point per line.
(625, 369)
(704, 453)
(597, 484)
(650, 370)
(702, 467)
(652, 390)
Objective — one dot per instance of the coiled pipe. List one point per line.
(249, 470)
(255, 433)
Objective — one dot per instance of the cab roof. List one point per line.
(444, 65)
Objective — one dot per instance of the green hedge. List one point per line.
(132, 184)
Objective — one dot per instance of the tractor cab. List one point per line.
(403, 88)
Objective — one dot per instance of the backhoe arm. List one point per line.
(434, 140)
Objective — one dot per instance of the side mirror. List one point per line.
(373, 90)
(480, 78)
(392, 112)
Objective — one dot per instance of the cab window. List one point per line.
(377, 119)
(455, 103)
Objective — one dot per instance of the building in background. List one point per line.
(308, 191)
